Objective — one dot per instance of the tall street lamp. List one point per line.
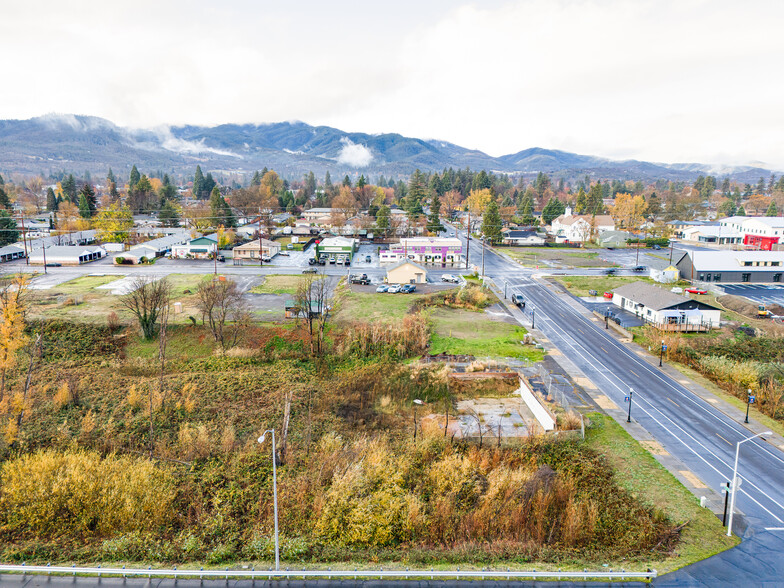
(750, 399)
(417, 402)
(274, 494)
(629, 398)
(533, 317)
(734, 486)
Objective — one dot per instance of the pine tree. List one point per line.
(552, 210)
(361, 182)
(2, 181)
(134, 178)
(382, 217)
(198, 183)
(89, 195)
(434, 218)
(8, 232)
(741, 211)
(4, 201)
(84, 207)
(169, 215)
(68, 186)
(110, 177)
(772, 210)
(491, 223)
(347, 181)
(327, 181)
(51, 200)
(168, 191)
(416, 193)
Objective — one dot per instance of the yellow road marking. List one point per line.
(605, 402)
(635, 375)
(723, 439)
(603, 349)
(671, 400)
(693, 480)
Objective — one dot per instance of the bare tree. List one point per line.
(148, 299)
(222, 302)
(313, 302)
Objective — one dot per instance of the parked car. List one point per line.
(657, 247)
(266, 258)
(608, 295)
(54, 265)
(450, 278)
(310, 270)
(312, 261)
(592, 293)
(290, 246)
(368, 259)
(221, 258)
(382, 288)
(519, 300)
(408, 288)
(393, 288)
(696, 291)
(359, 279)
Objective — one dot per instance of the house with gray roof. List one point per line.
(664, 309)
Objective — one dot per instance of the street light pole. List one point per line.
(533, 317)
(661, 353)
(274, 494)
(734, 486)
(629, 416)
(417, 402)
(748, 404)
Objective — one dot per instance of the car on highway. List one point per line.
(450, 278)
(696, 291)
(519, 300)
(382, 288)
(408, 288)
(610, 271)
(368, 259)
(310, 270)
(312, 261)
(639, 268)
(54, 265)
(394, 288)
(359, 279)
(657, 247)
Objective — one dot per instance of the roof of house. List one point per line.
(405, 262)
(519, 234)
(10, 249)
(599, 219)
(337, 242)
(255, 244)
(653, 297)
(65, 250)
(206, 240)
(437, 241)
(732, 260)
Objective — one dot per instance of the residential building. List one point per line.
(406, 272)
(732, 266)
(199, 248)
(11, 252)
(67, 254)
(251, 249)
(580, 228)
(522, 238)
(664, 309)
(315, 215)
(666, 275)
(614, 238)
(427, 250)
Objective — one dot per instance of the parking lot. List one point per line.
(758, 293)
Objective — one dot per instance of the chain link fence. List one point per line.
(556, 386)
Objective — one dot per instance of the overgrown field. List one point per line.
(77, 482)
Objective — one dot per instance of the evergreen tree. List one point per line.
(581, 202)
(741, 211)
(772, 210)
(310, 184)
(5, 203)
(68, 186)
(198, 183)
(541, 184)
(416, 193)
(169, 215)
(382, 217)
(361, 182)
(347, 181)
(761, 186)
(207, 185)
(89, 195)
(595, 204)
(2, 181)
(528, 217)
(84, 207)
(552, 210)
(51, 200)
(256, 180)
(491, 223)
(434, 219)
(168, 191)
(8, 232)
(481, 181)
(327, 181)
(110, 177)
(134, 178)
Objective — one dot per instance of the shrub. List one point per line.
(78, 494)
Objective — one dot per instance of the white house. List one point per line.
(664, 309)
(200, 248)
(67, 254)
(522, 238)
(580, 228)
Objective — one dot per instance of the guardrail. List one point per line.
(328, 573)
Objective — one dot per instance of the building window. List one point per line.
(747, 263)
(707, 277)
(717, 277)
(745, 278)
(776, 277)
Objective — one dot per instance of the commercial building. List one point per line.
(251, 249)
(199, 248)
(336, 247)
(759, 232)
(11, 252)
(426, 250)
(732, 266)
(67, 254)
(664, 309)
(406, 272)
(715, 234)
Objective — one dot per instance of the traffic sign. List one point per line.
(664, 347)
(752, 399)
(626, 399)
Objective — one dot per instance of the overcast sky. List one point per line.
(681, 80)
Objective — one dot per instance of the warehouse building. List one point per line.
(67, 254)
(759, 267)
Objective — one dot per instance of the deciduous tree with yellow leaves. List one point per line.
(114, 223)
(12, 324)
(628, 211)
(478, 200)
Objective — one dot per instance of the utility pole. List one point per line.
(468, 238)
(24, 240)
(260, 249)
(44, 252)
(483, 256)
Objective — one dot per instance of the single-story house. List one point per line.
(614, 238)
(518, 237)
(250, 250)
(664, 309)
(316, 214)
(406, 272)
(134, 254)
(10, 252)
(732, 266)
(199, 248)
(67, 254)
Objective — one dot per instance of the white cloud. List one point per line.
(354, 154)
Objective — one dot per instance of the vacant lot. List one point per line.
(560, 257)
(372, 306)
(580, 285)
(479, 334)
(281, 284)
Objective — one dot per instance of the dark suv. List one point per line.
(519, 300)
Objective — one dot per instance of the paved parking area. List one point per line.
(759, 293)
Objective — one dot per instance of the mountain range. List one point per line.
(74, 143)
